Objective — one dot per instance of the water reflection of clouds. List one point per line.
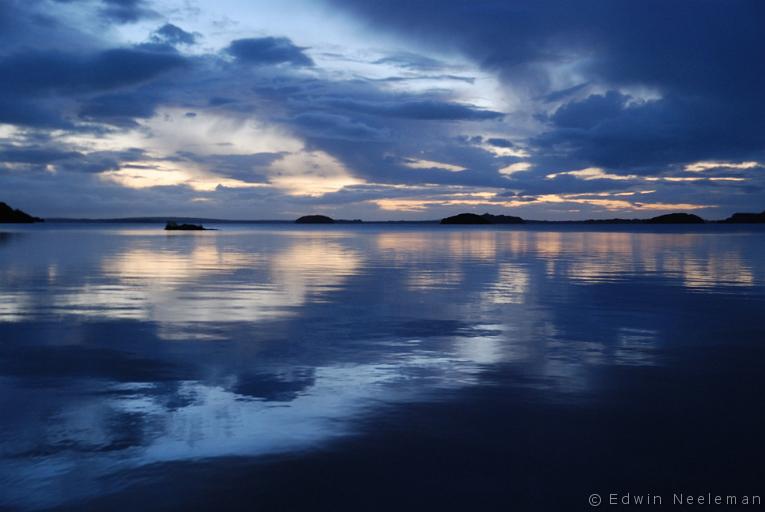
(697, 260)
(197, 285)
(512, 285)
(307, 348)
(92, 433)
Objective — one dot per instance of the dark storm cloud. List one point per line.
(119, 109)
(50, 71)
(268, 51)
(591, 111)
(21, 111)
(698, 55)
(41, 87)
(35, 154)
(36, 157)
(617, 132)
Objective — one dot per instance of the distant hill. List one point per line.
(746, 218)
(676, 218)
(486, 218)
(315, 219)
(9, 215)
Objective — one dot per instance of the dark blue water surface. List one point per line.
(378, 368)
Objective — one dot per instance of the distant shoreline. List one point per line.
(200, 220)
(10, 215)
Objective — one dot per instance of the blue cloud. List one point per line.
(46, 71)
(321, 124)
(20, 111)
(268, 51)
(418, 109)
(173, 35)
(126, 11)
(250, 168)
(499, 142)
(618, 132)
(598, 84)
(409, 60)
(119, 109)
(697, 57)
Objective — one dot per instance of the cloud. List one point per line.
(42, 87)
(173, 35)
(694, 61)
(321, 124)
(516, 94)
(409, 60)
(20, 111)
(420, 110)
(35, 154)
(52, 156)
(252, 168)
(414, 163)
(591, 111)
(499, 142)
(126, 11)
(625, 134)
(269, 51)
(437, 78)
(119, 109)
(51, 71)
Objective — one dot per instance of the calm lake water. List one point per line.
(378, 368)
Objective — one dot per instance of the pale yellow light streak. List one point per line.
(431, 164)
(706, 165)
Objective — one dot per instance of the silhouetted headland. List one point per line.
(746, 218)
(10, 215)
(670, 218)
(174, 226)
(315, 219)
(486, 218)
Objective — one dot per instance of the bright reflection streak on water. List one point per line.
(127, 347)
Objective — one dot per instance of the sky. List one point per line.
(254, 109)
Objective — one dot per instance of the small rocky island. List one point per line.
(315, 219)
(676, 218)
(174, 226)
(13, 216)
(486, 218)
